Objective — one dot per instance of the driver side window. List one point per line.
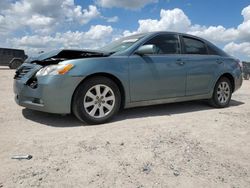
(165, 44)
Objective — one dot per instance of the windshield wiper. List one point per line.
(96, 54)
(110, 53)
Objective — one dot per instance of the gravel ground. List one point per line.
(174, 145)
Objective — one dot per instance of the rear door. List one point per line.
(202, 67)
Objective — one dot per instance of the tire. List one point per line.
(222, 93)
(96, 100)
(15, 63)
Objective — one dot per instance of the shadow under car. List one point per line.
(57, 120)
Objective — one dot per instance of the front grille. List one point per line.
(22, 72)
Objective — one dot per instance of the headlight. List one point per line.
(54, 69)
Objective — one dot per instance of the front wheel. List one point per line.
(96, 100)
(222, 93)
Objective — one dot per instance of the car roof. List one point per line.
(148, 35)
(152, 33)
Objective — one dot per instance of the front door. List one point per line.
(159, 75)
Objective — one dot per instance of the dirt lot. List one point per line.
(174, 145)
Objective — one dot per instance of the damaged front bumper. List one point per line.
(52, 93)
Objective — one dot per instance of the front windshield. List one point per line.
(121, 44)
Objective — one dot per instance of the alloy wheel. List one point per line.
(99, 101)
(223, 92)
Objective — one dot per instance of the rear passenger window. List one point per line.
(194, 46)
(166, 44)
(212, 51)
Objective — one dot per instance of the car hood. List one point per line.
(57, 56)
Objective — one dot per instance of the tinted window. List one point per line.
(212, 51)
(165, 44)
(194, 46)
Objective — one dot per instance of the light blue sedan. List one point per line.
(139, 70)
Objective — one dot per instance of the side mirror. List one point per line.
(145, 49)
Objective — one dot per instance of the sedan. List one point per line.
(139, 70)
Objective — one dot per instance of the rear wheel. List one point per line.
(96, 100)
(222, 93)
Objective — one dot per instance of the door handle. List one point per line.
(219, 61)
(180, 62)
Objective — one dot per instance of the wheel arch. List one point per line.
(230, 77)
(107, 75)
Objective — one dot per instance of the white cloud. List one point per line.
(177, 20)
(112, 19)
(98, 32)
(221, 34)
(238, 49)
(129, 4)
(246, 13)
(39, 23)
(44, 16)
(214, 33)
(84, 16)
(244, 28)
(4, 4)
(96, 36)
(171, 20)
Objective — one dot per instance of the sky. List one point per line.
(45, 25)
